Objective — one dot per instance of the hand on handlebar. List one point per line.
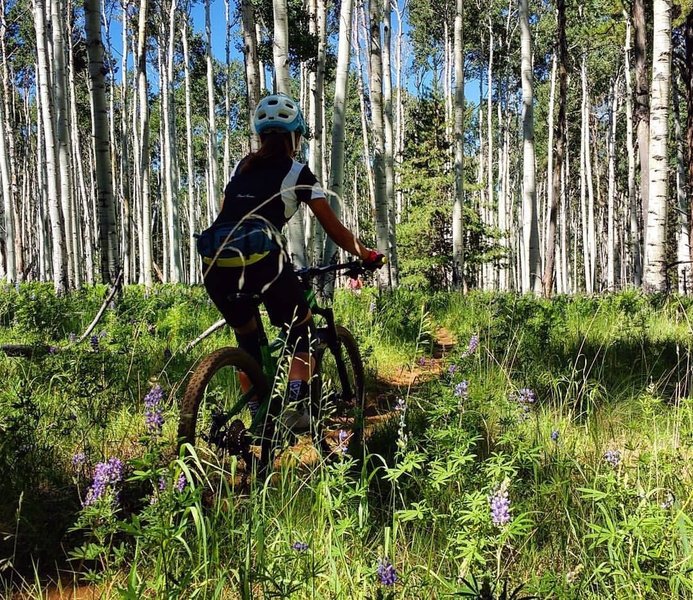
(374, 261)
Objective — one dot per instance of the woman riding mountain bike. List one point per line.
(244, 254)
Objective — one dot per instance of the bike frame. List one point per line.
(271, 351)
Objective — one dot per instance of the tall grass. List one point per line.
(573, 416)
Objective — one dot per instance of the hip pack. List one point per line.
(238, 244)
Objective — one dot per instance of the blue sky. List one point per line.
(218, 22)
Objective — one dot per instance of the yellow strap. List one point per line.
(236, 261)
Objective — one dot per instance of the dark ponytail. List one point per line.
(275, 146)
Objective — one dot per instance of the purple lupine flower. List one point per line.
(473, 344)
(554, 435)
(162, 483)
(613, 457)
(299, 546)
(343, 437)
(52, 349)
(106, 475)
(500, 507)
(452, 369)
(462, 389)
(181, 483)
(94, 341)
(422, 361)
(386, 572)
(78, 459)
(372, 306)
(153, 418)
(526, 396)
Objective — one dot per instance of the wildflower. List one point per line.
(52, 350)
(400, 405)
(573, 575)
(526, 396)
(372, 307)
(152, 410)
(106, 475)
(500, 507)
(452, 369)
(386, 572)
(422, 361)
(462, 389)
(78, 459)
(181, 483)
(162, 483)
(299, 546)
(473, 345)
(613, 457)
(94, 341)
(343, 437)
(554, 435)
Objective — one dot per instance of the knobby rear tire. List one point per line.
(208, 367)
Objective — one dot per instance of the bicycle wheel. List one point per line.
(342, 396)
(214, 415)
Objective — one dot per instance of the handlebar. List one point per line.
(352, 268)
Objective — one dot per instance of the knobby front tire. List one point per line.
(342, 413)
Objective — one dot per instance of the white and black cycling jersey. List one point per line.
(274, 192)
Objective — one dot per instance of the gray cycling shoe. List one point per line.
(296, 414)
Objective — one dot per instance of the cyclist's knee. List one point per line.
(301, 334)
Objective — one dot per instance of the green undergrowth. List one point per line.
(551, 449)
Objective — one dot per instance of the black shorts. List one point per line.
(284, 297)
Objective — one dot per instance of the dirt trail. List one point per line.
(395, 384)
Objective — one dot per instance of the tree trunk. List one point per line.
(252, 72)
(655, 276)
(213, 191)
(689, 123)
(683, 230)
(193, 261)
(389, 145)
(336, 183)
(58, 250)
(376, 81)
(634, 207)
(108, 233)
(611, 157)
(145, 204)
(280, 47)
(642, 115)
(559, 129)
(532, 268)
(458, 145)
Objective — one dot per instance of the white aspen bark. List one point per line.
(489, 146)
(388, 130)
(584, 210)
(213, 185)
(280, 47)
(399, 115)
(126, 231)
(611, 157)
(458, 145)
(9, 266)
(336, 181)
(364, 122)
(532, 268)
(376, 84)
(61, 134)
(171, 170)
(683, 250)
(143, 105)
(634, 249)
(193, 261)
(227, 95)
(549, 162)
(108, 233)
(261, 64)
(504, 241)
(655, 275)
(58, 242)
(252, 71)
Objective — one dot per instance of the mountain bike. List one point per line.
(215, 411)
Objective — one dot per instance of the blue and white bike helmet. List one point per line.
(279, 112)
